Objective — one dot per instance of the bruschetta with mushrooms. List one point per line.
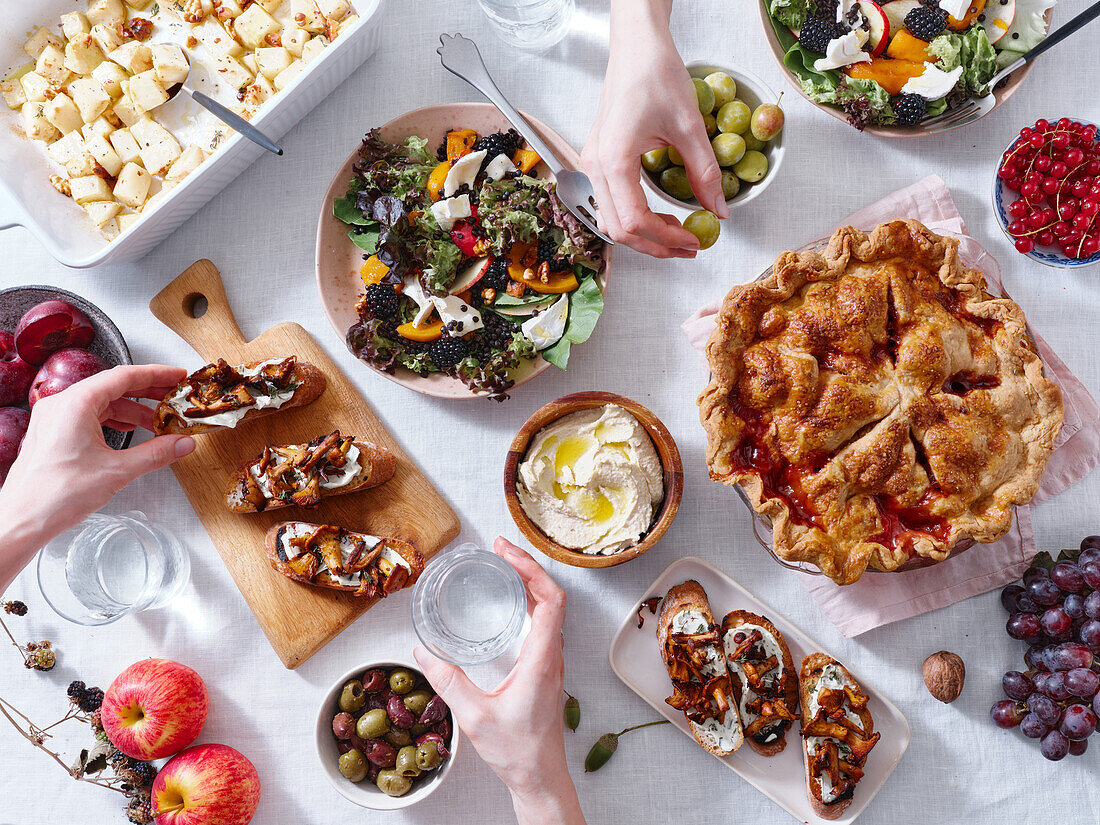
(765, 683)
(220, 396)
(837, 733)
(301, 474)
(692, 652)
(324, 555)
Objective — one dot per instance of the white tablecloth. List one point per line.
(260, 233)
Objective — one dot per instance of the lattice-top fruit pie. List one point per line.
(876, 402)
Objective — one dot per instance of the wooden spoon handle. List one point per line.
(194, 307)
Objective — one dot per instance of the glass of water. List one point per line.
(108, 566)
(529, 24)
(469, 605)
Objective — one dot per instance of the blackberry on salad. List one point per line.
(472, 266)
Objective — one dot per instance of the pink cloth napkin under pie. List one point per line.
(878, 598)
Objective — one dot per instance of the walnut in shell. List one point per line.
(944, 674)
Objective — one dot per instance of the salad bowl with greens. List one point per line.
(446, 261)
(885, 67)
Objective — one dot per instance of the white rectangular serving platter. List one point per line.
(636, 659)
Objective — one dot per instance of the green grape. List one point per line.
(724, 87)
(753, 142)
(767, 121)
(656, 160)
(752, 167)
(674, 181)
(704, 226)
(734, 117)
(728, 148)
(675, 157)
(711, 123)
(731, 184)
(704, 94)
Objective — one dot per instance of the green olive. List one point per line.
(417, 701)
(392, 783)
(402, 681)
(418, 730)
(353, 697)
(398, 738)
(711, 123)
(427, 756)
(734, 117)
(406, 761)
(704, 94)
(723, 86)
(674, 180)
(728, 149)
(674, 156)
(373, 724)
(704, 226)
(656, 160)
(752, 167)
(353, 765)
(731, 184)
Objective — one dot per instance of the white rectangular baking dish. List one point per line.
(28, 199)
(636, 660)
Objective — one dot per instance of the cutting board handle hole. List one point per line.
(195, 305)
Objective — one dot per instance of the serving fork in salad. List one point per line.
(979, 107)
(461, 57)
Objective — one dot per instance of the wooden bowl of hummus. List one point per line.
(593, 479)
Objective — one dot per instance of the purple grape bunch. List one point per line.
(1055, 609)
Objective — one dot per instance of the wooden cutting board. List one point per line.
(297, 619)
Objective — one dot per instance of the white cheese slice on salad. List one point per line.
(934, 83)
(453, 309)
(956, 8)
(499, 166)
(448, 211)
(844, 51)
(463, 172)
(415, 291)
(544, 329)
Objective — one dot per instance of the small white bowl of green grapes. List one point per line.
(745, 125)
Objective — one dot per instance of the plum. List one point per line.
(15, 373)
(51, 326)
(63, 369)
(13, 426)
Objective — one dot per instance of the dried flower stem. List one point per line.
(18, 646)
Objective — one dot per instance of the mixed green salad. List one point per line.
(897, 62)
(472, 264)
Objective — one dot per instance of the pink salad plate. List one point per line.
(338, 259)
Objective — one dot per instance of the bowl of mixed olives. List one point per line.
(386, 739)
(745, 125)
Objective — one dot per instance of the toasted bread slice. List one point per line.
(809, 674)
(689, 598)
(376, 466)
(378, 579)
(307, 381)
(771, 738)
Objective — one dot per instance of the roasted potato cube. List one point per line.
(74, 24)
(127, 220)
(273, 60)
(294, 39)
(62, 113)
(146, 91)
(287, 75)
(82, 55)
(313, 48)
(270, 5)
(80, 165)
(334, 9)
(110, 75)
(39, 40)
(100, 149)
(125, 110)
(169, 63)
(51, 65)
(63, 150)
(34, 86)
(185, 164)
(306, 15)
(106, 37)
(36, 124)
(248, 60)
(125, 145)
(102, 212)
(12, 90)
(133, 56)
(90, 98)
(106, 12)
(89, 188)
(132, 188)
(347, 23)
(254, 25)
(216, 39)
(233, 72)
(158, 146)
(100, 126)
(138, 5)
(258, 91)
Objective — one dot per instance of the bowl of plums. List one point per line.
(386, 740)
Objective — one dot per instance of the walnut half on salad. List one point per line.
(472, 265)
(897, 62)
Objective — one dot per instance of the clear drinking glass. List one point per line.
(108, 566)
(529, 24)
(469, 605)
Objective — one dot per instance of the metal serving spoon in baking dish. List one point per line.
(226, 116)
(460, 56)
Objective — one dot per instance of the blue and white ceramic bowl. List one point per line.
(1003, 198)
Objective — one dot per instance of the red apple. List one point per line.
(15, 373)
(50, 326)
(880, 26)
(470, 275)
(206, 785)
(63, 369)
(154, 708)
(13, 426)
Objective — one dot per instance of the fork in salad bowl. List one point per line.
(979, 107)
(461, 57)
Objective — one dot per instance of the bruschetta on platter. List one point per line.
(765, 683)
(692, 653)
(219, 396)
(838, 733)
(303, 474)
(325, 555)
